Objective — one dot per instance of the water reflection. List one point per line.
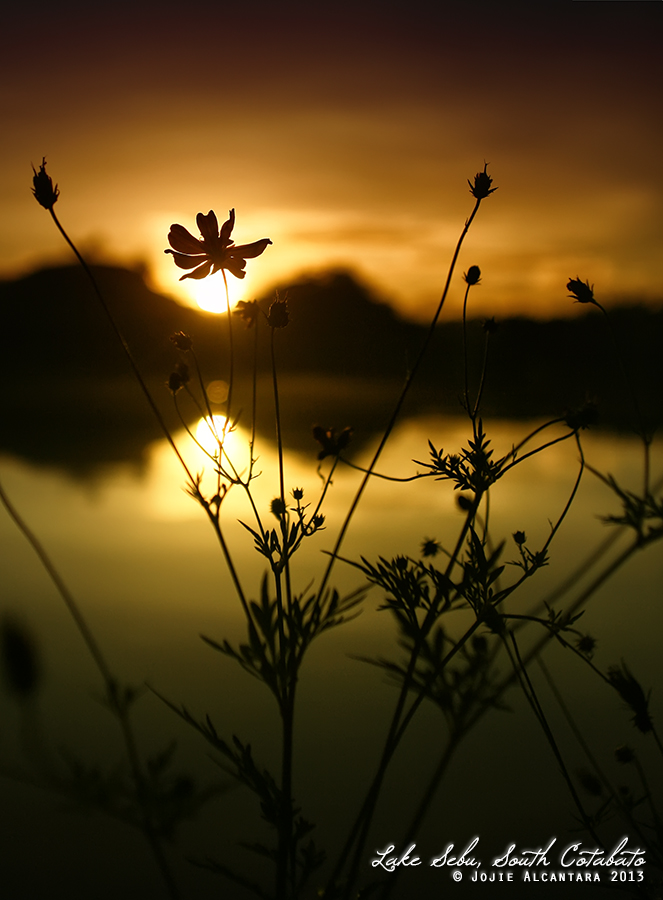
(147, 571)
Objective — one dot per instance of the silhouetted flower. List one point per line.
(278, 316)
(519, 537)
(277, 507)
(582, 418)
(182, 341)
(473, 275)
(482, 184)
(580, 291)
(298, 493)
(248, 311)
(331, 445)
(215, 251)
(489, 326)
(430, 547)
(42, 187)
(178, 378)
(586, 644)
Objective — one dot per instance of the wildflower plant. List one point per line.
(463, 671)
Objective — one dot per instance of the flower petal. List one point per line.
(183, 241)
(226, 229)
(235, 265)
(184, 261)
(201, 272)
(209, 226)
(250, 251)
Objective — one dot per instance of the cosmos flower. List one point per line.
(215, 251)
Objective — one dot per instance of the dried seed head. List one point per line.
(278, 316)
(298, 493)
(331, 445)
(582, 418)
(430, 547)
(482, 184)
(42, 187)
(580, 291)
(182, 341)
(178, 378)
(586, 644)
(473, 275)
(277, 507)
(519, 537)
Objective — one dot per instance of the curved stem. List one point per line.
(125, 347)
(117, 705)
(399, 403)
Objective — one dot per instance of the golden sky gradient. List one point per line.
(346, 135)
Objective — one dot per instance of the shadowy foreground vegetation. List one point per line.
(464, 643)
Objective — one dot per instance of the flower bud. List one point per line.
(42, 187)
(482, 184)
(278, 316)
(580, 291)
(178, 378)
(586, 644)
(182, 341)
(473, 275)
(248, 311)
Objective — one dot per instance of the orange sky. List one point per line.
(346, 136)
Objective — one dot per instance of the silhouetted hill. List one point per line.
(341, 361)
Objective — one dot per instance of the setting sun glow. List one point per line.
(210, 293)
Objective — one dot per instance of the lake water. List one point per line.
(145, 567)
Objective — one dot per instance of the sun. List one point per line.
(210, 293)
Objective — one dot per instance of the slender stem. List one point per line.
(111, 683)
(482, 380)
(285, 869)
(424, 805)
(531, 697)
(283, 517)
(125, 347)
(254, 394)
(61, 587)
(231, 353)
(465, 366)
(399, 724)
(399, 403)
